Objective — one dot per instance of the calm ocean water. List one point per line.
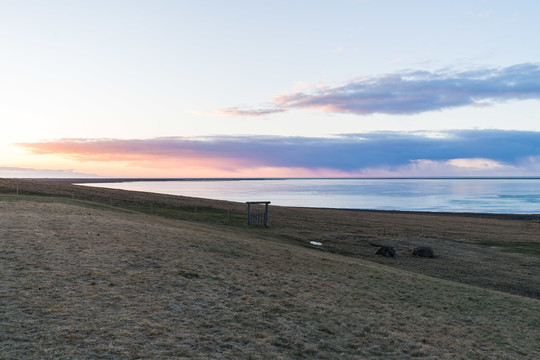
(448, 195)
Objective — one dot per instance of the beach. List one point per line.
(90, 272)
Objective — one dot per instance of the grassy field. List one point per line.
(98, 273)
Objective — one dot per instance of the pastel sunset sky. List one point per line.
(230, 88)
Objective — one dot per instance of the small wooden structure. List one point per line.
(258, 217)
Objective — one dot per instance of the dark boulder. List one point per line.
(387, 251)
(423, 252)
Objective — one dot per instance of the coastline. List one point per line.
(86, 182)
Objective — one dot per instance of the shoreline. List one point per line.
(88, 181)
(517, 216)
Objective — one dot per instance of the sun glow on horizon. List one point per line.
(142, 89)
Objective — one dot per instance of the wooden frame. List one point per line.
(258, 217)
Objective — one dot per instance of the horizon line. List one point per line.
(84, 180)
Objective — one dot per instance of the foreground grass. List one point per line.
(80, 281)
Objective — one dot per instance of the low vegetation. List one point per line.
(99, 273)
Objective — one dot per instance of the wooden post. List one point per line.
(266, 216)
(249, 213)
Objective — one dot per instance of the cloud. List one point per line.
(414, 92)
(466, 151)
(475, 163)
(235, 111)
(17, 172)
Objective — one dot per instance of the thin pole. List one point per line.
(266, 216)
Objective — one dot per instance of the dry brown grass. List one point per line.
(84, 280)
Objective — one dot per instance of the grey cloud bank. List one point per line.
(346, 152)
(414, 92)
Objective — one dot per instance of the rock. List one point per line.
(387, 251)
(423, 252)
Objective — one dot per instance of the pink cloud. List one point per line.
(155, 153)
(168, 157)
(235, 111)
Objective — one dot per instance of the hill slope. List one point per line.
(83, 280)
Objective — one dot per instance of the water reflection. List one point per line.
(456, 195)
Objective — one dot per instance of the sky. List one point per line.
(252, 88)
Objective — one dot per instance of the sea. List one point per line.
(471, 195)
